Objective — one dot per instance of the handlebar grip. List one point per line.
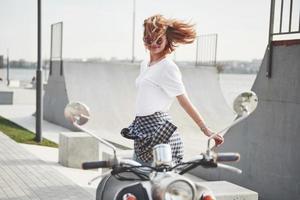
(228, 157)
(96, 165)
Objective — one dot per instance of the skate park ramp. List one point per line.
(109, 90)
(268, 140)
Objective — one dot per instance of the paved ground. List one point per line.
(24, 176)
(21, 113)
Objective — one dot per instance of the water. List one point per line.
(24, 75)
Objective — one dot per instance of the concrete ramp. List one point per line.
(268, 140)
(109, 90)
(56, 97)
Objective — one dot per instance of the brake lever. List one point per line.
(214, 148)
(230, 168)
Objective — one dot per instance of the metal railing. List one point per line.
(56, 45)
(206, 50)
(278, 9)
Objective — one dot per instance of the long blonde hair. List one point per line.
(177, 31)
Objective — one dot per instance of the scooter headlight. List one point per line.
(179, 190)
(173, 188)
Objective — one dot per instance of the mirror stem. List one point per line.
(98, 138)
(239, 118)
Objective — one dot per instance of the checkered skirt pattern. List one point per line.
(148, 131)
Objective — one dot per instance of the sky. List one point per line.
(103, 28)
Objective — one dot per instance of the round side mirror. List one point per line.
(245, 103)
(76, 112)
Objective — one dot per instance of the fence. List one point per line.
(56, 45)
(206, 50)
(284, 20)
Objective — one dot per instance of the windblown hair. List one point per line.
(177, 32)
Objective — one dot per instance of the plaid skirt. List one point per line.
(148, 131)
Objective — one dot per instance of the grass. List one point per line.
(20, 134)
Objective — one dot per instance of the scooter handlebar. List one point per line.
(108, 163)
(96, 164)
(227, 157)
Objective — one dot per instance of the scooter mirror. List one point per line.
(245, 103)
(76, 112)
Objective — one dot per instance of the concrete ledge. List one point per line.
(76, 148)
(14, 83)
(224, 190)
(6, 97)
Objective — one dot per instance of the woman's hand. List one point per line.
(218, 138)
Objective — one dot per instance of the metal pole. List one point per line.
(216, 47)
(299, 22)
(291, 14)
(39, 111)
(270, 46)
(133, 30)
(210, 58)
(7, 68)
(281, 13)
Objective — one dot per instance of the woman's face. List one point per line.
(157, 45)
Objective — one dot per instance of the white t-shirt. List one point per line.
(157, 87)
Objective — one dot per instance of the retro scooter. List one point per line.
(129, 180)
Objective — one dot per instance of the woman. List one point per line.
(158, 83)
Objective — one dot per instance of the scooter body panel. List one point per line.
(112, 188)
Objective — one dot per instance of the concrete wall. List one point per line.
(268, 140)
(6, 97)
(56, 97)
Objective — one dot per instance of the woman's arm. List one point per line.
(187, 105)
